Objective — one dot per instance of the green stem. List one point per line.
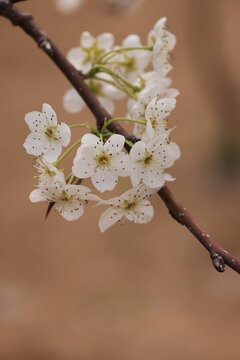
(122, 183)
(84, 126)
(107, 135)
(102, 68)
(121, 119)
(71, 179)
(118, 86)
(150, 48)
(67, 152)
(129, 143)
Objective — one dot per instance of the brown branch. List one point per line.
(219, 256)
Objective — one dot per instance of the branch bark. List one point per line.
(218, 255)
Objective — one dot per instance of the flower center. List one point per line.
(129, 205)
(93, 53)
(50, 132)
(96, 87)
(147, 159)
(64, 196)
(103, 159)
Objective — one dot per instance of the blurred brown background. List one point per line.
(134, 292)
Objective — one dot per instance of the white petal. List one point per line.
(54, 151)
(105, 41)
(50, 114)
(104, 179)
(107, 103)
(109, 218)
(36, 121)
(172, 152)
(83, 167)
(91, 139)
(171, 93)
(36, 144)
(120, 164)
(87, 40)
(157, 142)
(114, 144)
(142, 60)
(153, 177)
(145, 209)
(77, 57)
(149, 133)
(71, 210)
(160, 24)
(138, 130)
(67, 6)
(132, 40)
(138, 150)
(112, 92)
(81, 192)
(164, 107)
(72, 101)
(135, 170)
(169, 41)
(64, 133)
(168, 177)
(37, 195)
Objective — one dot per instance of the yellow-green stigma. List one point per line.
(129, 64)
(96, 87)
(64, 196)
(147, 159)
(93, 53)
(103, 159)
(51, 131)
(129, 205)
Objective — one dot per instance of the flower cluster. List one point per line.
(111, 72)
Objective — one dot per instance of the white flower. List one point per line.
(131, 63)
(105, 93)
(132, 204)
(48, 172)
(90, 50)
(102, 162)
(163, 42)
(68, 6)
(156, 111)
(68, 198)
(149, 160)
(47, 136)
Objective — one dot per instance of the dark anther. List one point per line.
(218, 262)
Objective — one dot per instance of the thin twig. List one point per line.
(218, 255)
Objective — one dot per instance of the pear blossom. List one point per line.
(163, 43)
(68, 6)
(90, 50)
(48, 172)
(156, 111)
(68, 198)
(150, 159)
(47, 136)
(102, 162)
(133, 62)
(105, 93)
(154, 86)
(132, 204)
